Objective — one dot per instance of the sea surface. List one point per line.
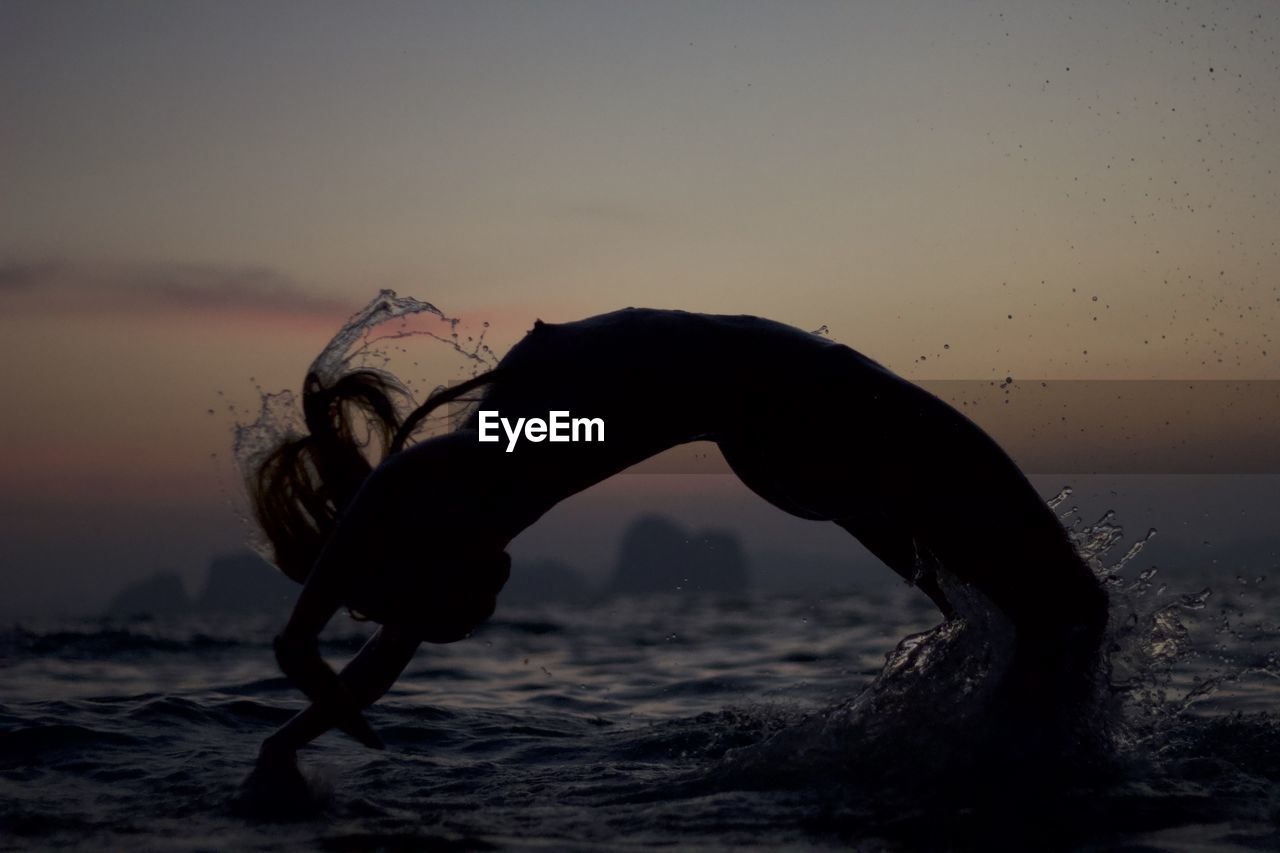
(670, 721)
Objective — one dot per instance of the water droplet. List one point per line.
(1196, 600)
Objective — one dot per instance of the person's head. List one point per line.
(300, 488)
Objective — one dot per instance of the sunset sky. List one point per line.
(196, 193)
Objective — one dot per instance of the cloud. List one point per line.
(57, 286)
(20, 276)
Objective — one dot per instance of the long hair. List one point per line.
(299, 489)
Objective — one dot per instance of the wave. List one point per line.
(27, 743)
(21, 643)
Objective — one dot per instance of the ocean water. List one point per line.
(671, 721)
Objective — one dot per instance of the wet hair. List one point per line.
(299, 489)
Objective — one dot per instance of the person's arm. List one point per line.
(364, 680)
(336, 701)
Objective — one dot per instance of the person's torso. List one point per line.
(654, 379)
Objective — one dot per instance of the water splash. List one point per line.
(371, 339)
(352, 345)
(1163, 660)
(936, 720)
(362, 341)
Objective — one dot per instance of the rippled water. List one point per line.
(650, 722)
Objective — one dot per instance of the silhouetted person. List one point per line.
(817, 429)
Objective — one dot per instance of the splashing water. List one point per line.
(929, 730)
(354, 347)
(1167, 654)
(369, 340)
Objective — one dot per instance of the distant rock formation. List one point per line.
(545, 580)
(160, 595)
(658, 555)
(245, 583)
(235, 583)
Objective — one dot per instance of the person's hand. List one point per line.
(276, 789)
(299, 659)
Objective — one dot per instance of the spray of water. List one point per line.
(934, 720)
(1169, 655)
(372, 339)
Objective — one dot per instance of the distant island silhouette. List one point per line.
(240, 582)
(658, 555)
